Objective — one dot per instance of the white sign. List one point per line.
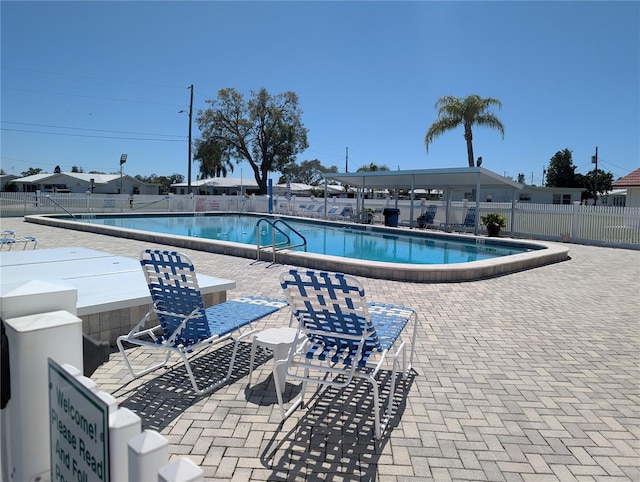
(78, 430)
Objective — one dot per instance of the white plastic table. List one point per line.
(279, 341)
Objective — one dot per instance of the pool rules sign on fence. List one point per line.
(78, 429)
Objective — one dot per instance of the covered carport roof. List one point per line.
(446, 179)
(454, 178)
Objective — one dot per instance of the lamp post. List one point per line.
(190, 113)
(123, 159)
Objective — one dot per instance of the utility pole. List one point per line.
(346, 161)
(189, 159)
(594, 160)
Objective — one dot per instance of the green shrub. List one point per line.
(494, 219)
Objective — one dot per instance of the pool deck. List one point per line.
(532, 376)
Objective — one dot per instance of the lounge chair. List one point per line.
(344, 336)
(340, 213)
(184, 325)
(318, 212)
(8, 238)
(310, 210)
(427, 219)
(334, 211)
(469, 222)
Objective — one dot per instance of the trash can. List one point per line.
(391, 216)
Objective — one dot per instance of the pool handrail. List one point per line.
(275, 247)
(60, 206)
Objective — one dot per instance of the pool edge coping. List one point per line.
(428, 273)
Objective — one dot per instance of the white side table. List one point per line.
(279, 341)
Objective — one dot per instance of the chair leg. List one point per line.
(137, 374)
(219, 383)
(235, 350)
(377, 425)
(251, 361)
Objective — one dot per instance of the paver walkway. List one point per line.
(532, 376)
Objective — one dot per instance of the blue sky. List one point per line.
(84, 82)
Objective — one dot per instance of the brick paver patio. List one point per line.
(531, 376)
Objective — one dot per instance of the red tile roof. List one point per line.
(632, 179)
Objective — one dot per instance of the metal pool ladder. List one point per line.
(277, 246)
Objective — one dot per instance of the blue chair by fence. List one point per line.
(344, 336)
(185, 326)
(468, 224)
(428, 218)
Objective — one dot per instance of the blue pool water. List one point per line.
(349, 241)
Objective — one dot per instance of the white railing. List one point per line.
(603, 225)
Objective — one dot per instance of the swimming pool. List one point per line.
(344, 240)
(386, 253)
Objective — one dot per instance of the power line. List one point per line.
(93, 136)
(87, 129)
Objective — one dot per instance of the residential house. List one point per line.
(79, 182)
(218, 186)
(6, 179)
(630, 182)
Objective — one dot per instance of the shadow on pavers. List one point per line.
(161, 399)
(335, 433)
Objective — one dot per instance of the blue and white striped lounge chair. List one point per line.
(344, 336)
(469, 222)
(310, 210)
(8, 238)
(339, 212)
(185, 326)
(334, 211)
(428, 217)
(318, 212)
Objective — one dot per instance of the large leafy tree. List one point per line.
(267, 131)
(466, 112)
(561, 171)
(31, 171)
(599, 183)
(307, 172)
(214, 158)
(164, 181)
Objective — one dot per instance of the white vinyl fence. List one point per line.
(599, 225)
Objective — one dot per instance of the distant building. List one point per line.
(79, 182)
(528, 194)
(218, 186)
(6, 179)
(616, 197)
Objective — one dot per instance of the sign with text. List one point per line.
(78, 429)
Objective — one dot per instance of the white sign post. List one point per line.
(79, 430)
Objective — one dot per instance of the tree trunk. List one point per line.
(468, 136)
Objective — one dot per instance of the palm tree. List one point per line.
(214, 159)
(373, 167)
(453, 111)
